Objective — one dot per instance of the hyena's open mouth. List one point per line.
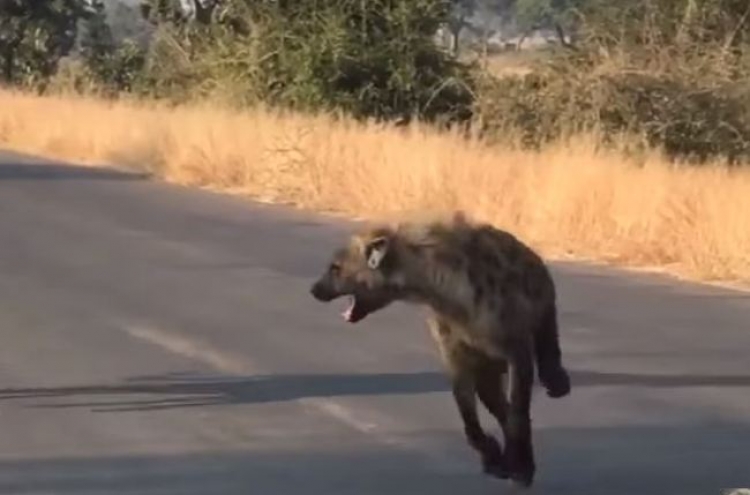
(355, 311)
(361, 305)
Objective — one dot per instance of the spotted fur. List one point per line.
(492, 313)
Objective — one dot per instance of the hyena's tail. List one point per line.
(548, 356)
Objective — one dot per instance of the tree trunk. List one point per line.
(455, 31)
(455, 26)
(204, 11)
(561, 36)
(523, 37)
(8, 61)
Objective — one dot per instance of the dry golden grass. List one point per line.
(569, 199)
(507, 63)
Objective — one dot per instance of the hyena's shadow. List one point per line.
(586, 378)
(176, 390)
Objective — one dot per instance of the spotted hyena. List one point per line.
(492, 312)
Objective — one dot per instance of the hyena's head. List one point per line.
(366, 270)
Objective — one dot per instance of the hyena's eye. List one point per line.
(334, 268)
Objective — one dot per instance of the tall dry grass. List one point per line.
(570, 198)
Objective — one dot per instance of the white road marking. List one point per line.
(178, 344)
(340, 413)
(231, 364)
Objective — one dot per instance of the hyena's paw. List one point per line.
(557, 382)
(493, 460)
(523, 478)
(521, 470)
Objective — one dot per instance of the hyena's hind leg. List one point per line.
(461, 366)
(548, 355)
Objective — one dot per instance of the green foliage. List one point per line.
(161, 11)
(687, 121)
(673, 73)
(34, 36)
(532, 14)
(120, 70)
(96, 43)
(109, 66)
(548, 14)
(374, 59)
(370, 59)
(683, 23)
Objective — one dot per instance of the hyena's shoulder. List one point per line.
(499, 262)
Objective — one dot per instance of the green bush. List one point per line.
(688, 121)
(372, 59)
(672, 74)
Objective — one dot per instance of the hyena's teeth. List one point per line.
(349, 311)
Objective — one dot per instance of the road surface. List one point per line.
(162, 340)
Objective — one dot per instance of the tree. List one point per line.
(34, 36)
(111, 64)
(533, 15)
(371, 58)
(688, 23)
(126, 23)
(461, 10)
(202, 12)
(188, 14)
(492, 15)
(163, 11)
(97, 40)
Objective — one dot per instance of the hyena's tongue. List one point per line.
(349, 311)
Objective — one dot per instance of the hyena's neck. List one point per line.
(444, 289)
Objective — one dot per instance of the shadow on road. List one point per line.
(187, 390)
(596, 378)
(17, 171)
(618, 460)
(180, 390)
(308, 471)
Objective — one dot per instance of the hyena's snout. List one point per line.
(323, 291)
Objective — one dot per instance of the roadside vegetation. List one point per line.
(627, 139)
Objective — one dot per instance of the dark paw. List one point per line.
(522, 476)
(496, 470)
(523, 479)
(521, 470)
(493, 460)
(557, 383)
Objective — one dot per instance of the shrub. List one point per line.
(672, 74)
(372, 59)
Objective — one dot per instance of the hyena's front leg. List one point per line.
(492, 394)
(464, 393)
(460, 364)
(519, 449)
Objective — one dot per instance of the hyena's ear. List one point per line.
(375, 251)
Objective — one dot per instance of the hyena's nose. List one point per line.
(320, 293)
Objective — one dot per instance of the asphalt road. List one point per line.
(157, 339)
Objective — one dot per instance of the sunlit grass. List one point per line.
(570, 198)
